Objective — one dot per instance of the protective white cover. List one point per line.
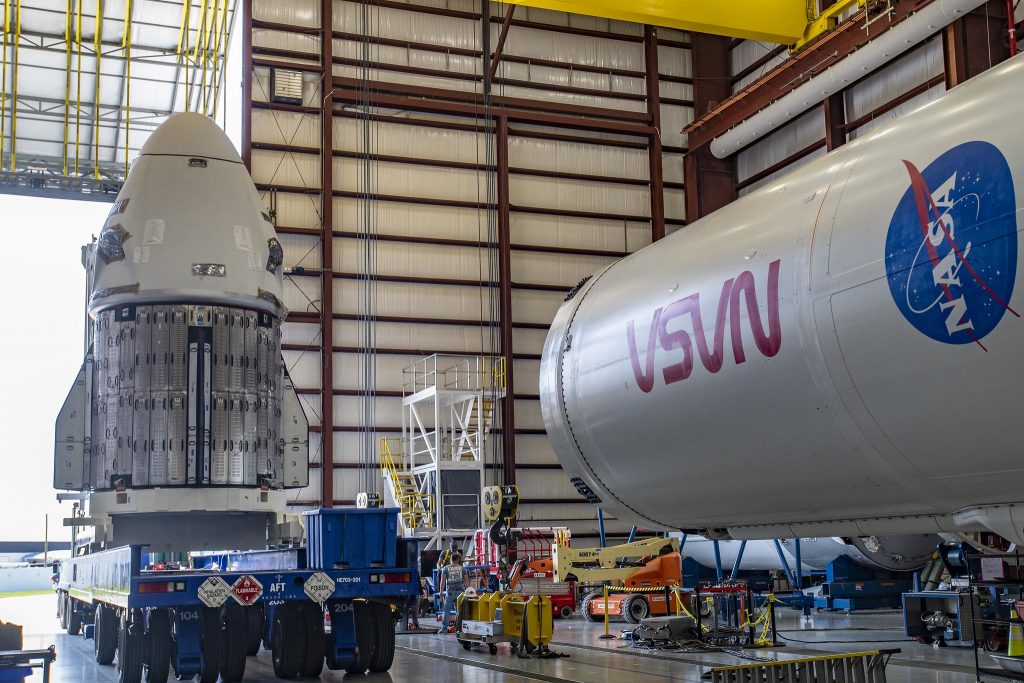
(188, 203)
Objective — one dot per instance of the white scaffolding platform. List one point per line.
(435, 471)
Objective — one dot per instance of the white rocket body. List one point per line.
(183, 424)
(836, 354)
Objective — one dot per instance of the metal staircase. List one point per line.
(416, 509)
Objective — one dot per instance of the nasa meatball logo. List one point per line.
(951, 252)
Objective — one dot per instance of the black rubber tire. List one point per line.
(62, 609)
(466, 645)
(286, 644)
(384, 642)
(312, 621)
(131, 647)
(212, 645)
(364, 637)
(73, 616)
(236, 642)
(492, 648)
(585, 605)
(635, 608)
(255, 619)
(565, 612)
(157, 665)
(104, 634)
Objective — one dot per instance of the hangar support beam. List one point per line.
(710, 182)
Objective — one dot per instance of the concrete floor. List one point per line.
(436, 658)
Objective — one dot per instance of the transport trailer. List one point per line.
(329, 603)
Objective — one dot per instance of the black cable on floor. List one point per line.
(840, 642)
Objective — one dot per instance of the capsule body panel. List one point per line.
(841, 345)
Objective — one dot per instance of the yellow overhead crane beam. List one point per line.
(787, 22)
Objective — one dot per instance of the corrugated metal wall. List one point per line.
(417, 200)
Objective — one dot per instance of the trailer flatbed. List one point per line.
(205, 622)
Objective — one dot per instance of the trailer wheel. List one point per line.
(104, 634)
(585, 605)
(364, 637)
(131, 646)
(62, 609)
(384, 631)
(72, 616)
(286, 641)
(157, 663)
(236, 631)
(311, 616)
(255, 619)
(212, 646)
(635, 609)
(492, 648)
(565, 612)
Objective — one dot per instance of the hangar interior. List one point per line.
(441, 191)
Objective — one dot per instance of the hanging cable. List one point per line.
(183, 50)
(199, 57)
(78, 87)
(215, 70)
(209, 55)
(367, 336)
(97, 46)
(3, 78)
(14, 88)
(67, 82)
(126, 45)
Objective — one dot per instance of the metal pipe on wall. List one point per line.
(879, 51)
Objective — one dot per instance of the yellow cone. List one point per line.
(1016, 646)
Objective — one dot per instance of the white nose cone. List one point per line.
(188, 226)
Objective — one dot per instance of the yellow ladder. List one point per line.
(415, 508)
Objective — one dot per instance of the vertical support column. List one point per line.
(654, 115)
(835, 121)
(975, 42)
(327, 256)
(602, 539)
(508, 406)
(247, 84)
(710, 182)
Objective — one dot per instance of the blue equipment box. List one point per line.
(351, 538)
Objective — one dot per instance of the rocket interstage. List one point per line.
(837, 353)
(183, 387)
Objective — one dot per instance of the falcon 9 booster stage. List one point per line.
(182, 424)
(838, 353)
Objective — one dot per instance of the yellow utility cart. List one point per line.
(524, 622)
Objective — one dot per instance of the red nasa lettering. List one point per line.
(729, 304)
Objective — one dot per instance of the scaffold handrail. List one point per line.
(455, 372)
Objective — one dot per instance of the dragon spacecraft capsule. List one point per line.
(182, 424)
(838, 353)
